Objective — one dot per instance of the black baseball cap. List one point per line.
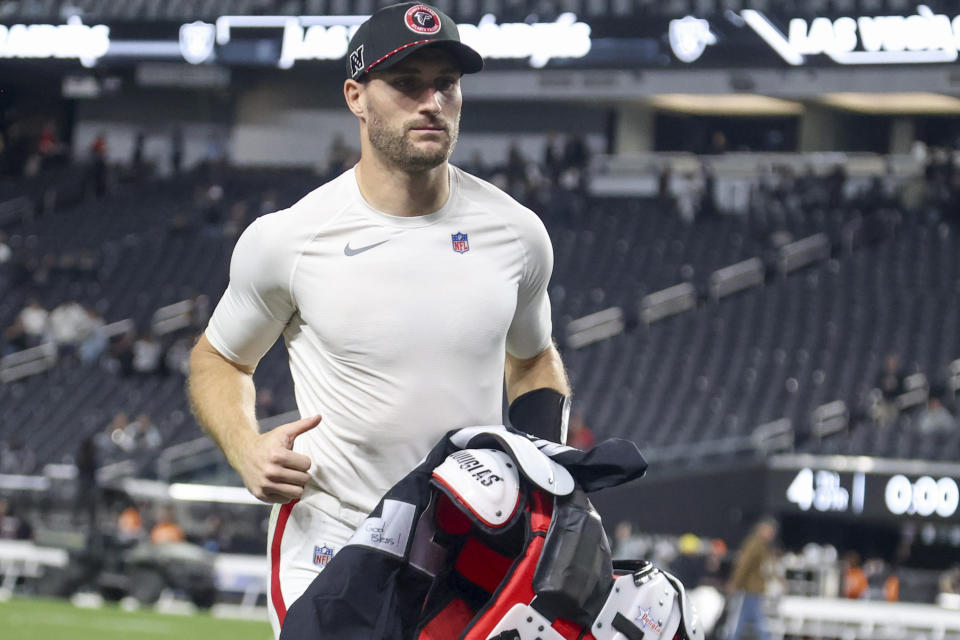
(393, 33)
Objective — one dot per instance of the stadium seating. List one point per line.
(694, 382)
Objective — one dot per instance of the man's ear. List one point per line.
(353, 93)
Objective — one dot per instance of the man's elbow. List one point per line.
(204, 355)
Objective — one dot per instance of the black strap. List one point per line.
(543, 413)
(627, 628)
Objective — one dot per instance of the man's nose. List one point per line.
(431, 101)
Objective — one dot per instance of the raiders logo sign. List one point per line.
(422, 19)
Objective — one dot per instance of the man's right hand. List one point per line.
(270, 468)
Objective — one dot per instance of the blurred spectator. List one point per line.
(16, 457)
(718, 142)
(949, 585)
(338, 157)
(855, 582)
(199, 312)
(94, 343)
(580, 436)
(708, 195)
(891, 586)
(166, 530)
(690, 566)
(215, 536)
(268, 202)
(176, 150)
(136, 161)
(627, 545)
(34, 320)
(129, 524)
(88, 493)
(147, 354)
(114, 441)
(177, 356)
(143, 434)
(237, 221)
(552, 156)
(121, 352)
(575, 153)
(212, 208)
(890, 383)
(6, 253)
(48, 145)
(477, 165)
(748, 584)
(11, 526)
(69, 325)
(936, 418)
(98, 166)
(266, 403)
(516, 170)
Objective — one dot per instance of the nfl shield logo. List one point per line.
(460, 242)
(322, 555)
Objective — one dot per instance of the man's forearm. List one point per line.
(222, 398)
(543, 371)
(538, 391)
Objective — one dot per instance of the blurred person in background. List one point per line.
(166, 530)
(855, 584)
(626, 545)
(130, 524)
(12, 527)
(16, 457)
(98, 166)
(70, 324)
(94, 343)
(748, 582)
(87, 495)
(147, 354)
(144, 434)
(580, 434)
(31, 327)
(114, 441)
(890, 383)
(936, 418)
(6, 253)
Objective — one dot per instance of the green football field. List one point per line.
(23, 619)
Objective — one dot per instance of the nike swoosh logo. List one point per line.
(349, 251)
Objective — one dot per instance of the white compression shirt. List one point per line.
(396, 332)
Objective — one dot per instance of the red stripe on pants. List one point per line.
(275, 594)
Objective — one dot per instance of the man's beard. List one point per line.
(399, 151)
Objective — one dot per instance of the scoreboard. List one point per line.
(865, 488)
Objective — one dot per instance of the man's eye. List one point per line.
(406, 84)
(445, 84)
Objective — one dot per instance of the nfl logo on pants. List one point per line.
(460, 242)
(322, 555)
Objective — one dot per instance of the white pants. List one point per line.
(304, 535)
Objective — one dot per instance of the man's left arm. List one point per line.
(539, 394)
(537, 385)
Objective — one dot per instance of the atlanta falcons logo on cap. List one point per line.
(422, 19)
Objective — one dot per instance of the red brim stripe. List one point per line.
(275, 594)
(394, 52)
